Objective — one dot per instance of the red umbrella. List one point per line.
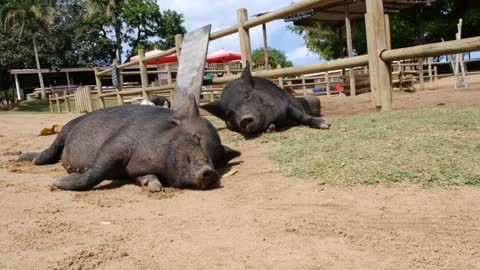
(223, 55)
(166, 59)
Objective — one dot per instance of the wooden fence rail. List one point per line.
(379, 57)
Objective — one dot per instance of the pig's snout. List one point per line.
(248, 123)
(207, 178)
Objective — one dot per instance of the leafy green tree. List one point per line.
(148, 27)
(275, 57)
(33, 16)
(77, 40)
(112, 9)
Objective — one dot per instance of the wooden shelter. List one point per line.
(344, 11)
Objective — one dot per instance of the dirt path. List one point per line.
(258, 220)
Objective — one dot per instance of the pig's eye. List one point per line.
(196, 138)
(246, 95)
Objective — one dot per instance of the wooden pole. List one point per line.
(178, 45)
(88, 92)
(304, 87)
(265, 46)
(436, 76)
(430, 79)
(143, 73)
(420, 41)
(383, 78)
(17, 86)
(59, 109)
(280, 79)
(388, 31)
(169, 74)
(67, 104)
(348, 27)
(372, 62)
(50, 103)
(244, 35)
(159, 75)
(68, 79)
(327, 83)
(98, 80)
(120, 83)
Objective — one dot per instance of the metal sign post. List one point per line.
(191, 65)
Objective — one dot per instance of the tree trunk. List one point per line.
(40, 77)
(117, 27)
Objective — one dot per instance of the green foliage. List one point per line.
(430, 147)
(147, 27)
(275, 57)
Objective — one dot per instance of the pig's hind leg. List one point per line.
(108, 164)
(305, 119)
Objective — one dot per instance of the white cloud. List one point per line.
(302, 56)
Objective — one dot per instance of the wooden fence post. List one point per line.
(59, 109)
(327, 83)
(383, 78)
(430, 79)
(178, 45)
(280, 79)
(50, 102)
(244, 34)
(436, 76)
(67, 104)
(304, 87)
(89, 98)
(143, 73)
(169, 74)
(120, 82)
(372, 63)
(98, 80)
(351, 71)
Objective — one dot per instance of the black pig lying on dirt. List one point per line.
(250, 105)
(154, 145)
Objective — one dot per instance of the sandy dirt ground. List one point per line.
(257, 220)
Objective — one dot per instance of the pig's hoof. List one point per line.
(271, 128)
(150, 182)
(155, 186)
(321, 123)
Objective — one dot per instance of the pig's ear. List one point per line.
(215, 109)
(247, 75)
(189, 109)
(230, 153)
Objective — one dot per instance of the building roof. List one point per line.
(335, 12)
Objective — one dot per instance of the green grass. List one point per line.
(430, 147)
(34, 106)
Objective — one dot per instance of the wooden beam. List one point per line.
(388, 31)
(244, 35)
(383, 80)
(120, 82)
(372, 62)
(17, 86)
(265, 46)
(348, 27)
(356, 61)
(98, 80)
(433, 49)
(178, 45)
(143, 73)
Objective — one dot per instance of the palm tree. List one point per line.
(28, 15)
(110, 8)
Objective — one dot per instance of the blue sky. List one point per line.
(222, 14)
